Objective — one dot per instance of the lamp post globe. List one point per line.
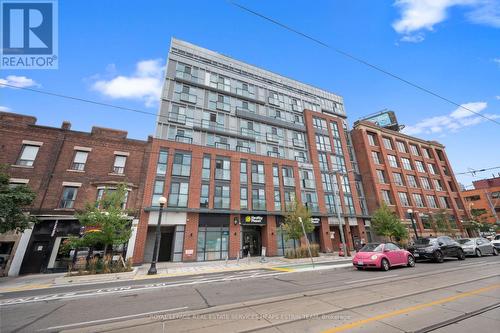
(152, 269)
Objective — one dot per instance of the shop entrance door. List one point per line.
(36, 257)
(252, 243)
(165, 253)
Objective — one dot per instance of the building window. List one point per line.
(157, 192)
(387, 143)
(338, 163)
(204, 195)
(437, 185)
(186, 72)
(337, 146)
(403, 198)
(28, 155)
(346, 186)
(288, 178)
(349, 204)
(205, 171)
(102, 192)
(258, 176)
(320, 123)
(425, 183)
(398, 179)
(258, 199)
(289, 199)
(381, 177)
(68, 197)
(178, 195)
(277, 199)
(185, 93)
(431, 200)
(418, 200)
(310, 200)
(425, 152)
(222, 169)
(420, 166)
(276, 176)
(406, 163)
(220, 82)
(219, 102)
(371, 139)
(412, 181)
(222, 197)
(401, 146)
(212, 243)
(393, 162)
(323, 161)
(414, 150)
(335, 129)
(79, 160)
(330, 203)
(181, 115)
(376, 157)
(326, 180)
(444, 202)
(323, 143)
(182, 165)
(426, 221)
(432, 168)
(119, 165)
(243, 198)
(307, 178)
(243, 172)
(386, 196)
(161, 167)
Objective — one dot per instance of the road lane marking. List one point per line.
(472, 263)
(111, 319)
(410, 309)
(377, 278)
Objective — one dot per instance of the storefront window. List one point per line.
(212, 243)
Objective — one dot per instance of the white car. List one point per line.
(496, 242)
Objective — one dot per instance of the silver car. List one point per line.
(477, 247)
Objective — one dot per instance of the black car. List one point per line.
(436, 249)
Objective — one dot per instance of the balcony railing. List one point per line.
(188, 98)
(308, 183)
(289, 181)
(259, 205)
(243, 149)
(258, 178)
(273, 154)
(211, 124)
(272, 137)
(184, 139)
(222, 145)
(298, 143)
(177, 118)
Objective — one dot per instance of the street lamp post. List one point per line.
(152, 269)
(410, 212)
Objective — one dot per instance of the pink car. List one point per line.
(383, 256)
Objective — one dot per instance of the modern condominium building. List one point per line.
(234, 146)
(412, 176)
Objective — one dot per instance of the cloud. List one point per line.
(497, 60)
(18, 81)
(4, 109)
(422, 15)
(144, 84)
(497, 97)
(452, 122)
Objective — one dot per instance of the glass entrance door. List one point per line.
(252, 243)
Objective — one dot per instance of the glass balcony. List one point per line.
(289, 181)
(308, 183)
(184, 139)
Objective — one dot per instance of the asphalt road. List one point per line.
(143, 303)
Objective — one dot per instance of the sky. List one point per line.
(114, 52)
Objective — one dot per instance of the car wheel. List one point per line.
(461, 255)
(411, 261)
(438, 257)
(384, 265)
(495, 251)
(478, 253)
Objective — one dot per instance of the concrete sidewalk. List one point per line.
(168, 269)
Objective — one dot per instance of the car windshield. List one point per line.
(497, 237)
(425, 241)
(465, 241)
(373, 247)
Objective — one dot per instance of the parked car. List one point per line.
(382, 256)
(436, 249)
(477, 247)
(496, 242)
(84, 251)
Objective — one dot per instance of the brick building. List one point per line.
(66, 169)
(484, 200)
(235, 145)
(407, 173)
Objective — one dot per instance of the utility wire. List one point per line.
(357, 59)
(473, 172)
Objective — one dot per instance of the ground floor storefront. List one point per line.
(192, 236)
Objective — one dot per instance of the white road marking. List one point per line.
(472, 263)
(111, 291)
(111, 319)
(377, 278)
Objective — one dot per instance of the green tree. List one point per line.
(14, 203)
(106, 222)
(440, 220)
(292, 225)
(387, 224)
